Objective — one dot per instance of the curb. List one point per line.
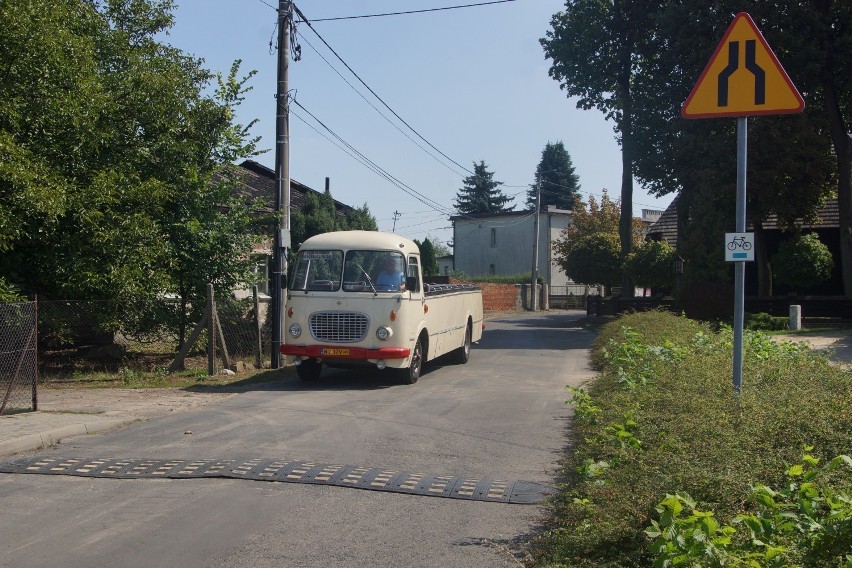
(32, 442)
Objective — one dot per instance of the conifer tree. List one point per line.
(481, 194)
(560, 185)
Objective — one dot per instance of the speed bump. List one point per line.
(289, 471)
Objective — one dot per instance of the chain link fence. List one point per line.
(79, 340)
(18, 357)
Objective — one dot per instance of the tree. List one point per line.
(111, 139)
(594, 259)
(817, 42)
(360, 219)
(651, 265)
(559, 184)
(589, 219)
(428, 258)
(481, 194)
(441, 249)
(803, 262)
(790, 170)
(594, 47)
(319, 215)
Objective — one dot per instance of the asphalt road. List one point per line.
(501, 416)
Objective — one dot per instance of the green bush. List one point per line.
(765, 322)
(802, 262)
(9, 292)
(520, 278)
(652, 265)
(663, 420)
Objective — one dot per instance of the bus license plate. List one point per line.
(334, 352)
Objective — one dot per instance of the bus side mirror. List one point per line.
(411, 284)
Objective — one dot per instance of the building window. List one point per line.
(493, 237)
(262, 274)
(492, 270)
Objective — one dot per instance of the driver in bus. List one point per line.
(391, 279)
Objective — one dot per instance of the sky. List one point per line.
(473, 82)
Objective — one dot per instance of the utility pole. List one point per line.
(534, 283)
(282, 178)
(396, 215)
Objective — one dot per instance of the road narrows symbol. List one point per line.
(757, 71)
(742, 78)
(733, 65)
(751, 66)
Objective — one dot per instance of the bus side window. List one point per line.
(413, 272)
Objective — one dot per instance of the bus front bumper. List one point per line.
(356, 353)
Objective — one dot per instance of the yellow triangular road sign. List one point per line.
(743, 78)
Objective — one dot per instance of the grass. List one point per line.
(662, 419)
(128, 377)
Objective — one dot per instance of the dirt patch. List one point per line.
(838, 344)
(125, 403)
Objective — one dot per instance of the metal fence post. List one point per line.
(35, 369)
(258, 355)
(211, 333)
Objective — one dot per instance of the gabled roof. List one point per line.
(256, 181)
(665, 228)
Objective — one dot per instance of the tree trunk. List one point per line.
(182, 324)
(761, 256)
(842, 142)
(625, 223)
(843, 151)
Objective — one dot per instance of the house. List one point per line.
(502, 243)
(826, 225)
(256, 181)
(445, 264)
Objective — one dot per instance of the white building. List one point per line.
(502, 244)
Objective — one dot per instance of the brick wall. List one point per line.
(498, 297)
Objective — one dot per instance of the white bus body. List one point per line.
(358, 298)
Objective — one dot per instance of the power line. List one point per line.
(413, 11)
(376, 168)
(386, 105)
(366, 100)
(403, 121)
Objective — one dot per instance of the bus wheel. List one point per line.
(410, 375)
(462, 354)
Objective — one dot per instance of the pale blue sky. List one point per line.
(472, 81)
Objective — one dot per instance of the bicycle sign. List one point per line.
(739, 247)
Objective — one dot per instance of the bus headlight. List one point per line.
(295, 330)
(384, 333)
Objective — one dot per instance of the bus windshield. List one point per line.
(317, 270)
(373, 271)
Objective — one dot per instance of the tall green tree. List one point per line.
(790, 171)
(556, 178)
(594, 259)
(588, 249)
(481, 194)
(428, 258)
(319, 215)
(815, 41)
(111, 139)
(595, 47)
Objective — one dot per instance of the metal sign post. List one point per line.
(739, 266)
(743, 78)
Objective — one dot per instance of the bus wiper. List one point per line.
(369, 280)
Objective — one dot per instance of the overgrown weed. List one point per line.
(663, 420)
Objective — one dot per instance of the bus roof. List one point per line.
(360, 240)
